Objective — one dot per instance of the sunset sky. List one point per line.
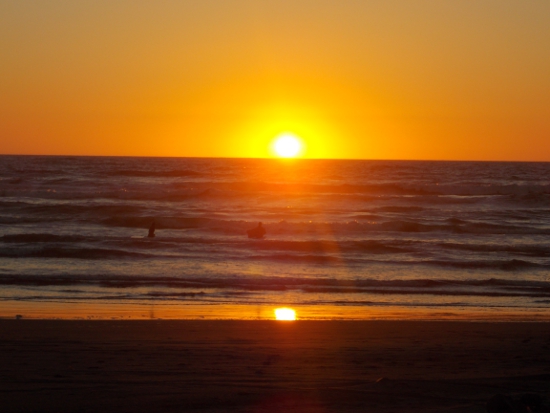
(387, 79)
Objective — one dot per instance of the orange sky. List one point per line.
(355, 79)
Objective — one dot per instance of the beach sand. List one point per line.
(268, 366)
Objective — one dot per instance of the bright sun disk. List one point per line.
(287, 145)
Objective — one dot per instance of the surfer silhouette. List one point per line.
(152, 230)
(257, 232)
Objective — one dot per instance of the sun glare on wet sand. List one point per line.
(287, 145)
(286, 314)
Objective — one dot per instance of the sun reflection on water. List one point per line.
(286, 314)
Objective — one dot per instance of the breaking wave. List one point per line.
(491, 287)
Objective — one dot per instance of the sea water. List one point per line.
(345, 238)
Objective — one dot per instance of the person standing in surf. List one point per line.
(257, 232)
(152, 230)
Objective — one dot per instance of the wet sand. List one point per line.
(268, 366)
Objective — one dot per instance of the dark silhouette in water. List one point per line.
(257, 232)
(152, 230)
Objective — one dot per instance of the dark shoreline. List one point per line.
(248, 366)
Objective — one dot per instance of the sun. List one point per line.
(287, 145)
(286, 314)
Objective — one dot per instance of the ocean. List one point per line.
(346, 239)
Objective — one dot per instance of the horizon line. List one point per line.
(275, 158)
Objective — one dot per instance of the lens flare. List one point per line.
(287, 314)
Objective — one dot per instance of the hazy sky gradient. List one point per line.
(364, 79)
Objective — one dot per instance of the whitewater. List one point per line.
(345, 238)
